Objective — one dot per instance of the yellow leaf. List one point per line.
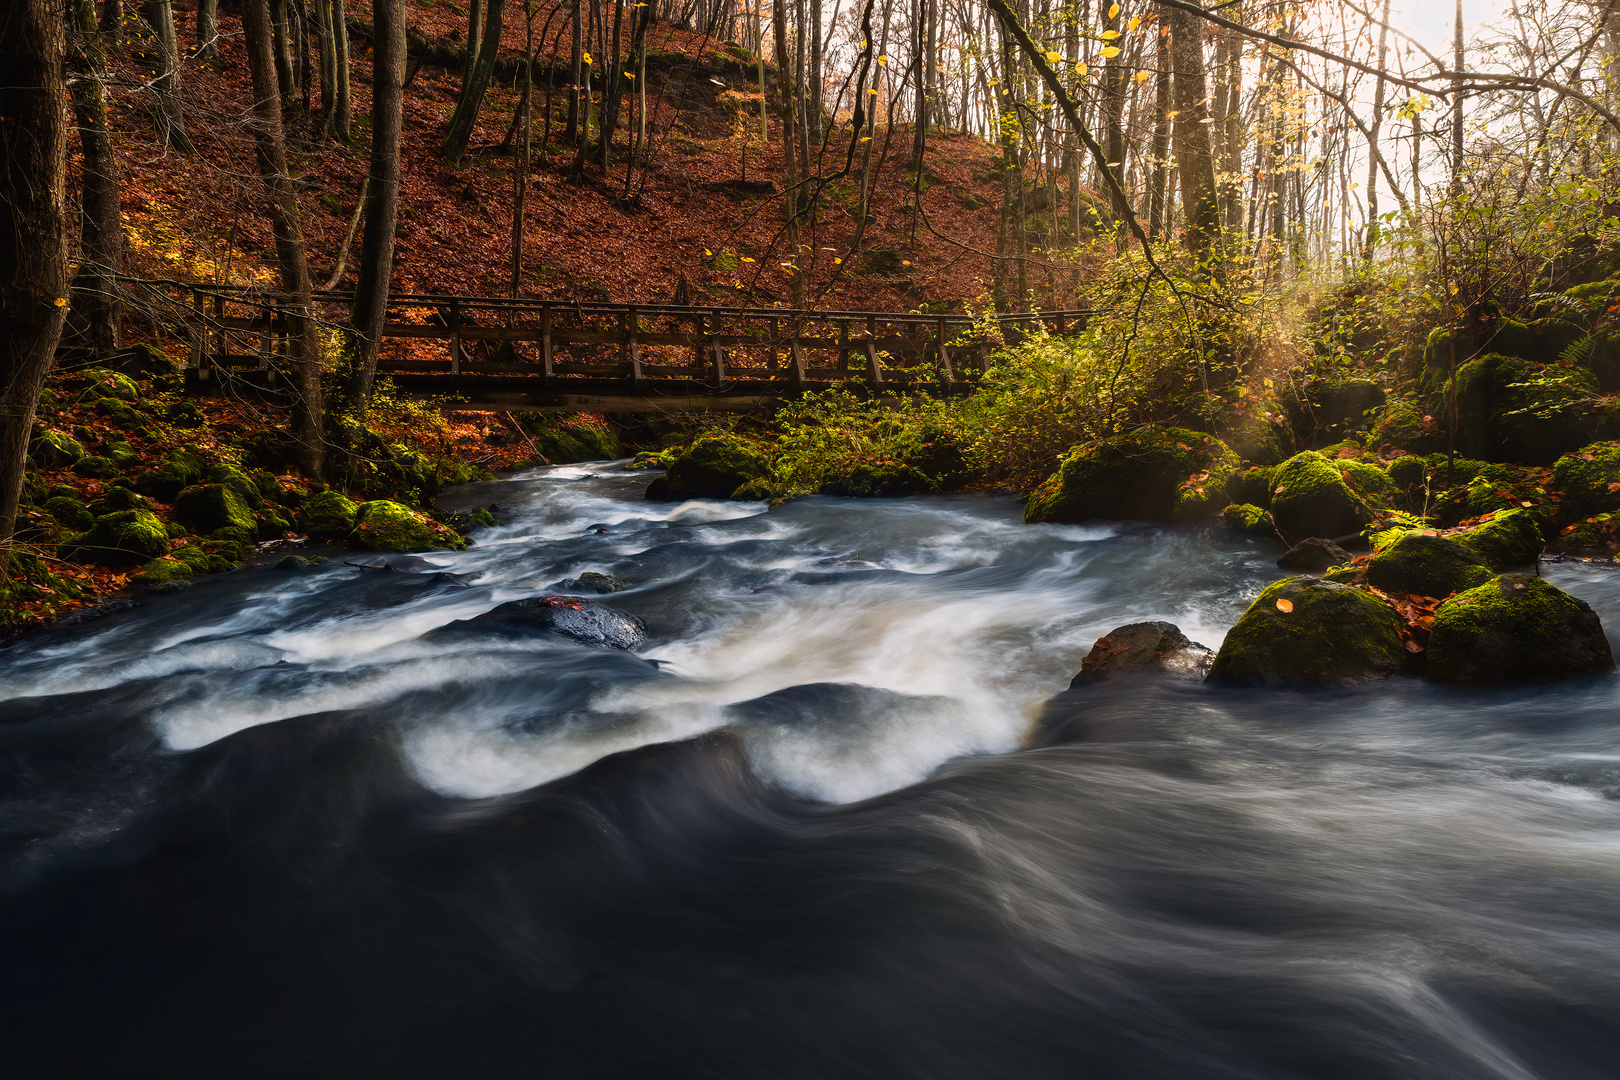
(1110, 52)
(873, 91)
(866, 138)
(1052, 57)
(1109, 35)
(1081, 69)
(1136, 20)
(838, 262)
(585, 58)
(883, 61)
(1143, 76)
(1113, 11)
(903, 262)
(61, 301)
(708, 254)
(627, 74)
(1285, 605)
(993, 82)
(746, 259)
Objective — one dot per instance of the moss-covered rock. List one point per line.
(1369, 481)
(1203, 494)
(712, 467)
(119, 498)
(1426, 565)
(1247, 518)
(1132, 477)
(246, 487)
(1305, 630)
(1515, 627)
(1401, 424)
(122, 415)
(1589, 480)
(144, 361)
(328, 515)
(382, 525)
(111, 384)
(876, 478)
(160, 572)
(54, 450)
(1252, 485)
(1507, 540)
(567, 437)
(199, 560)
(1310, 498)
(96, 467)
(1313, 555)
(122, 538)
(272, 525)
(68, 512)
(1332, 408)
(206, 508)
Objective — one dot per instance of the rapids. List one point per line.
(274, 824)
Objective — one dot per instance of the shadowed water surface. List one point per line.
(286, 824)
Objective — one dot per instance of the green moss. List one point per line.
(1515, 627)
(712, 467)
(1334, 407)
(161, 572)
(1133, 477)
(1330, 633)
(96, 467)
(1247, 518)
(123, 416)
(206, 508)
(1408, 472)
(1426, 565)
(69, 512)
(1310, 498)
(1507, 541)
(245, 487)
(1252, 485)
(119, 498)
(1403, 425)
(111, 384)
(201, 561)
(874, 478)
(1585, 478)
(122, 538)
(272, 526)
(1371, 482)
(569, 437)
(382, 525)
(1343, 575)
(1202, 494)
(328, 515)
(54, 450)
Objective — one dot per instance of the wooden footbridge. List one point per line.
(545, 355)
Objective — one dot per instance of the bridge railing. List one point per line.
(487, 348)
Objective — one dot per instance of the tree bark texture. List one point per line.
(1201, 212)
(271, 152)
(94, 310)
(382, 198)
(33, 228)
(465, 116)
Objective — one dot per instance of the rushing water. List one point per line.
(282, 824)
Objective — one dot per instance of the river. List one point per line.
(285, 824)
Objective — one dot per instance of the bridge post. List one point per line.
(199, 336)
(874, 373)
(545, 344)
(797, 375)
(717, 372)
(946, 371)
(455, 337)
(630, 347)
(843, 350)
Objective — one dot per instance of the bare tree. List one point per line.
(101, 243)
(382, 195)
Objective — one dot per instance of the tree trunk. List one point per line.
(1157, 197)
(171, 126)
(382, 195)
(208, 30)
(576, 61)
(271, 153)
(1371, 243)
(95, 305)
(112, 18)
(520, 174)
(784, 73)
(471, 100)
(1194, 163)
(33, 229)
(283, 48)
(343, 109)
(1114, 125)
(328, 64)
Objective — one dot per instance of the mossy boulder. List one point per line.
(123, 415)
(96, 467)
(1203, 494)
(111, 384)
(1309, 631)
(1408, 472)
(1589, 480)
(206, 508)
(1252, 485)
(1371, 482)
(54, 450)
(569, 437)
(160, 572)
(878, 478)
(1139, 476)
(199, 560)
(1427, 566)
(122, 538)
(119, 498)
(382, 525)
(69, 512)
(1507, 540)
(712, 467)
(328, 515)
(144, 361)
(1512, 628)
(1331, 408)
(1512, 410)
(1313, 555)
(1310, 498)
(1247, 518)
(1403, 425)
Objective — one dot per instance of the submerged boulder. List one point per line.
(569, 616)
(1313, 555)
(1512, 628)
(1148, 475)
(1310, 498)
(1306, 630)
(1143, 648)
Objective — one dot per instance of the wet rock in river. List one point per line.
(1143, 648)
(1313, 555)
(569, 616)
(1306, 630)
(1512, 628)
(1426, 565)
